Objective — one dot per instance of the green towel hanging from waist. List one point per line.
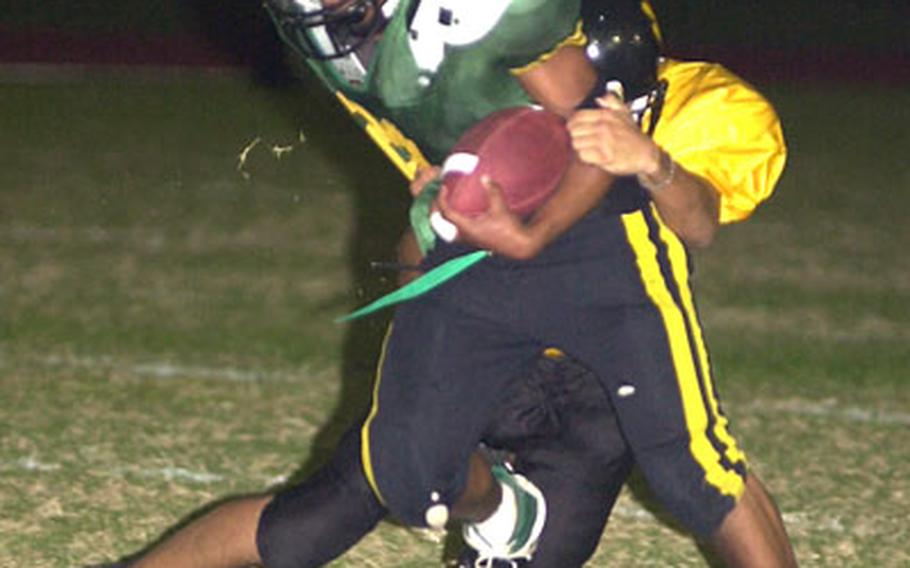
(435, 277)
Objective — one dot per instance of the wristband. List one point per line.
(668, 164)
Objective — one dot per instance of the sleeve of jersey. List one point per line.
(530, 30)
(718, 127)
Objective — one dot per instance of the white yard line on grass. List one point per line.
(828, 408)
(28, 464)
(169, 370)
(32, 234)
(180, 474)
(825, 408)
(167, 473)
(170, 474)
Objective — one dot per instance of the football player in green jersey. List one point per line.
(668, 207)
(439, 68)
(239, 507)
(349, 75)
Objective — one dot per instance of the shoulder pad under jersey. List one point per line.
(513, 31)
(720, 128)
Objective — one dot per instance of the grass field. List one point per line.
(167, 340)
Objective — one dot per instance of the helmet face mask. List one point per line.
(321, 32)
(332, 33)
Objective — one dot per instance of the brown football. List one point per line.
(525, 150)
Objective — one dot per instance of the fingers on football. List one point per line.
(424, 176)
(495, 198)
(442, 202)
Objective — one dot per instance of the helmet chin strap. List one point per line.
(655, 104)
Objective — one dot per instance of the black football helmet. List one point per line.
(624, 45)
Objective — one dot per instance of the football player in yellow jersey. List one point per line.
(717, 132)
(230, 524)
(717, 147)
(715, 128)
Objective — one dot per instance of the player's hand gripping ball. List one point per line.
(524, 150)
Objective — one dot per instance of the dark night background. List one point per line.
(768, 40)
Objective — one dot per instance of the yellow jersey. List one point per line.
(720, 128)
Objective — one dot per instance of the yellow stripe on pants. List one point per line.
(726, 481)
(367, 461)
(681, 275)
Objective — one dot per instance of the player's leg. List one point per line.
(223, 538)
(306, 525)
(316, 521)
(671, 417)
(563, 432)
(656, 370)
(753, 534)
(446, 366)
(442, 375)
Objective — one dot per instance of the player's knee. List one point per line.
(411, 498)
(698, 494)
(417, 485)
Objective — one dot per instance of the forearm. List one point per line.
(609, 138)
(688, 204)
(582, 188)
(560, 85)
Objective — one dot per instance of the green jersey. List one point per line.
(437, 70)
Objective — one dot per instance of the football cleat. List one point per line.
(532, 513)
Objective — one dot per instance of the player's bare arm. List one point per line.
(558, 84)
(609, 138)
